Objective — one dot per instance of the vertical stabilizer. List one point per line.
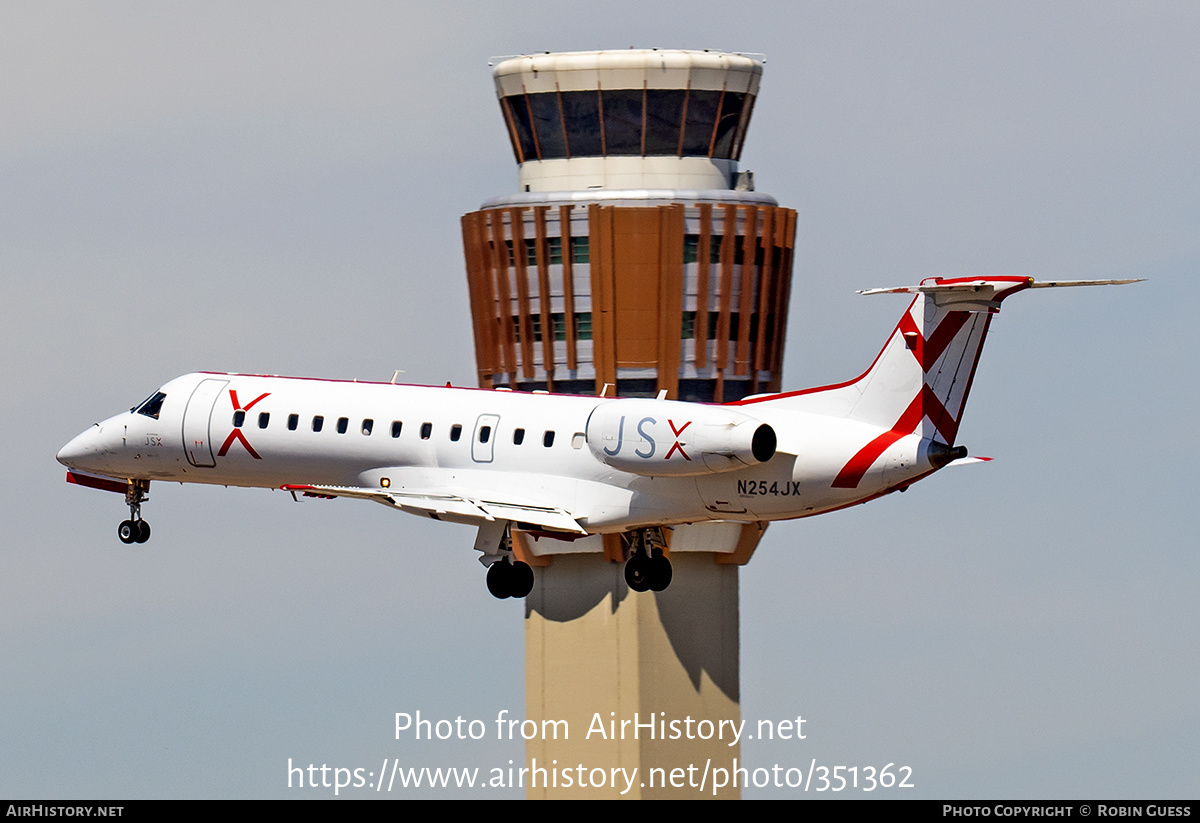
(919, 382)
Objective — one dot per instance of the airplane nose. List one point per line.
(79, 449)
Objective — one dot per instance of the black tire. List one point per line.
(499, 579)
(143, 531)
(127, 531)
(521, 578)
(660, 573)
(637, 573)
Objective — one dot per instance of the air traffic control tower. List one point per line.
(635, 258)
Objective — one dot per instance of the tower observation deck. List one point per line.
(635, 253)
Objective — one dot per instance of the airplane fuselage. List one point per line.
(544, 450)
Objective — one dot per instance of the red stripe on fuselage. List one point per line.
(852, 473)
(926, 404)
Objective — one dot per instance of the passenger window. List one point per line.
(368, 424)
(548, 439)
(396, 426)
(343, 424)
(485, 434)
(518, 436)
(455, 432)
(239, 417)
(318, 422)
(293, 422)
(263, 419)
(426, 430)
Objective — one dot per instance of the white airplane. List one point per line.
(566, 466)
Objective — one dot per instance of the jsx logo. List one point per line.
(651, 444)
(239, 417)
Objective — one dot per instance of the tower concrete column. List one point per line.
(641, 679)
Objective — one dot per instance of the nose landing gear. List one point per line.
(648, 568)
(135, 529)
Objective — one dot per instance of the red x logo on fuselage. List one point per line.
(677, 444)
(236, 434)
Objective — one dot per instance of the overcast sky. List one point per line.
(276, 188)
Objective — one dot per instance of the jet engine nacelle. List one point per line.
(665, 437)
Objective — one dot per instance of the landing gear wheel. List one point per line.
(659, 572)
(521, 579)
(507, 578)
(143, 531)
(647, 568)
(128, 531)
(499, 579)
(637, 573)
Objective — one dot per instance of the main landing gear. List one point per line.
(648, 568)
(135, 529)
(507, 576)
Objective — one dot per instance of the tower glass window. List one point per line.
(627, 122)
(622, 121)
(581, 114)
(664, 112)
(548, 122)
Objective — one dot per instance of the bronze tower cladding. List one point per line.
(687, 298)
(636, 255)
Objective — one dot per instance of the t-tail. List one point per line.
(920, 380)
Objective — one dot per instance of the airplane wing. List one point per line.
(451, 506)
(93, 482)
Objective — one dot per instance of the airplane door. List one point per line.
(197, 444)
(483, 442)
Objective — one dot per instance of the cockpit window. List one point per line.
(151, 406)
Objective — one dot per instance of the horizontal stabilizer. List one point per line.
(963, 461)
(977, 294)
(970, 285)
(1054, 284)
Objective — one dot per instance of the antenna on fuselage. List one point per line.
(396, 374)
